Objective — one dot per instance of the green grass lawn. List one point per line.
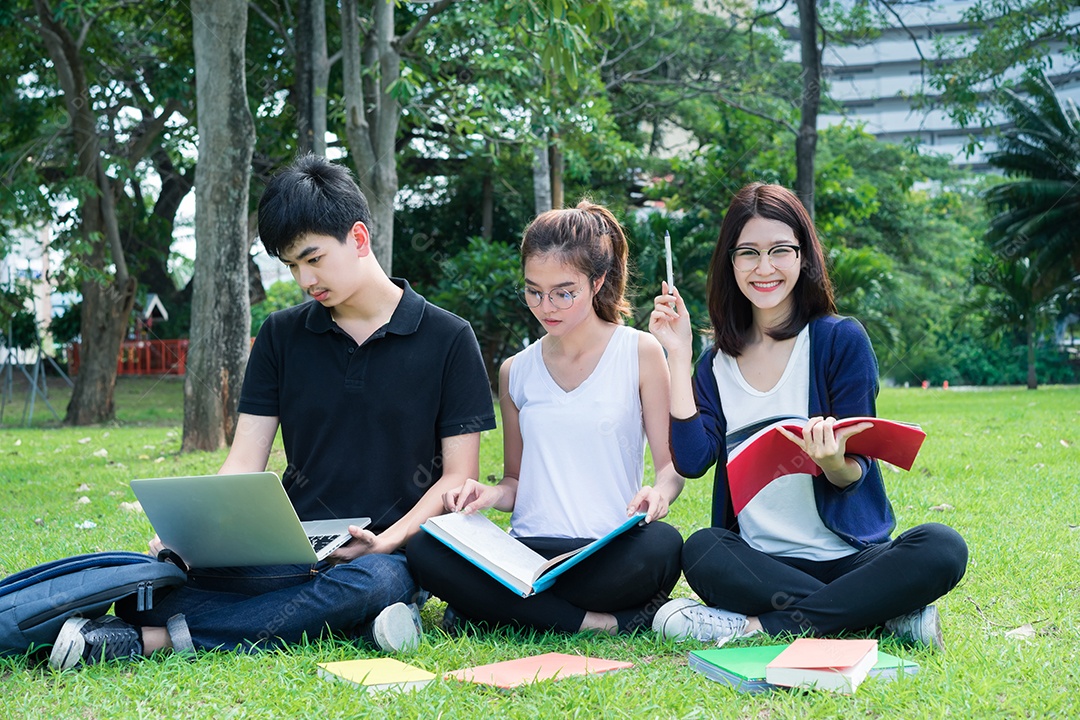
(1001, 466)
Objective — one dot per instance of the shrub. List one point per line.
(482, 283)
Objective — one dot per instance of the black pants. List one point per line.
(631, 577)
(800, 596)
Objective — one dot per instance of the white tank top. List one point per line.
(583, 451)
(782, 519)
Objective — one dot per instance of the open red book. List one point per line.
(767, 455)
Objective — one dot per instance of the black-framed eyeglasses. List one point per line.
(561, 299)
(781, 257)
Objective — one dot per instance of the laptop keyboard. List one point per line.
(318, 542)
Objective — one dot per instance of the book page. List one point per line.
(561, 563)
(487, 543)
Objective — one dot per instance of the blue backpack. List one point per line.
(34, 603)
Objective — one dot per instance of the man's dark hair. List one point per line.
(311, 196)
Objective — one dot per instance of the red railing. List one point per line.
(143, 357)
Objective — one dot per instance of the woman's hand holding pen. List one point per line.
(670, 322)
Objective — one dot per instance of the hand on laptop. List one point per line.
(364, 542)
(155, 546)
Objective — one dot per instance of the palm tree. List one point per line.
(866, 289)
(1037, 215)
(1010, 302)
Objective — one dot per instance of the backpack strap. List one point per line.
(167, 555)
(180, 635)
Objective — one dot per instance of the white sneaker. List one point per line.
(921, 626)
(684, 618)
(397, 628)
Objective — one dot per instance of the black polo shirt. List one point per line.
(362, 425)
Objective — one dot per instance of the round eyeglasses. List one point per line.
(561, 299)
(780, 257)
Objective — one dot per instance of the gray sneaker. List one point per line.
(684, 618)
(83, 641)
(922, 626)
(397, 628)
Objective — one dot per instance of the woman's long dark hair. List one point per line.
(729, 310)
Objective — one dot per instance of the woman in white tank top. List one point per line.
(577, 408)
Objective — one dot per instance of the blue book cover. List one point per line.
(507, 559)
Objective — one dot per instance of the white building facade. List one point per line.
(876, 82)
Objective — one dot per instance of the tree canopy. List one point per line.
(460, 116)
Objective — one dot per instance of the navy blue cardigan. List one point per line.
(843, 383)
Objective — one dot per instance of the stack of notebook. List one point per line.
(745, 668)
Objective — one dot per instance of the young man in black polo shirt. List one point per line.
(380, 397)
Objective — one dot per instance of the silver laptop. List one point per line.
(236, 520)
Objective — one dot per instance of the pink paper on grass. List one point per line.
(522, 671)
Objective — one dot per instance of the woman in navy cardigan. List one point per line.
(808, 554)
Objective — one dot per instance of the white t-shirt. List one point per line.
(583, 451)
(782, 519)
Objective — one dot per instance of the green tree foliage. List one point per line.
(483, 283)
(1015, 311)
(280, 295)
(1036, 214)
(139, 82)
(646, 84)
(18, 330)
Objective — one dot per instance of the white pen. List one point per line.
(667, 253)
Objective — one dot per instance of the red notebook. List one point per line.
(824, 664)
(767, 455)
(512, 673)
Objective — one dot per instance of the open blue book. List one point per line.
(507, 559)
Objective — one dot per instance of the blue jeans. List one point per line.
(260, 608)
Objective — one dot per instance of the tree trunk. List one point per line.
(1029, 330)
(312, 76)
(558, 165)
(220, 313)
(103, 321)
(256, 291)
(541, 175)
(806, 140)
(372, 116)
(487, 207)
(148, 241)
(106, 305)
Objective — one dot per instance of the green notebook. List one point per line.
(743, 668)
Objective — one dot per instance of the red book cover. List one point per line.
(767, 455)
(823, 653)
(824, 664)
(522, 671)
